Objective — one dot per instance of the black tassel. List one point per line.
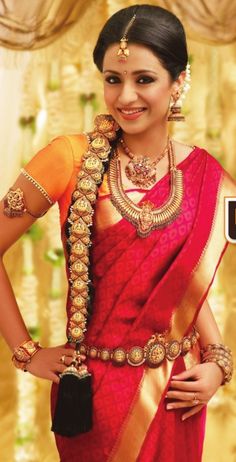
(73, 413)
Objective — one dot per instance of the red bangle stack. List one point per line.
(23, 354)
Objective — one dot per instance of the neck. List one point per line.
(148, 143)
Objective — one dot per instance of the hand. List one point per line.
(47, 363)
(194, 388)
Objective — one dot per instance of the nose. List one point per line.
(127, 94)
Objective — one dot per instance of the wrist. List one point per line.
(220, 355)
(23, 354)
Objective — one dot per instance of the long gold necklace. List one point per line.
(145, 217)
(141, 170)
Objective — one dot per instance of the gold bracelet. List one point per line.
(23, 354)
(222, 356)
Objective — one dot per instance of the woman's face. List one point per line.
(137, 92)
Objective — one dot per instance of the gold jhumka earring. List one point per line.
(123, 51)
(175, 114)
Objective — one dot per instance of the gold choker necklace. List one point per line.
(145, 217)
(141, 170)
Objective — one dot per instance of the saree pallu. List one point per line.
(143, 286)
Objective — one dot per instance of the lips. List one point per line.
(131, 110)
(131, 113)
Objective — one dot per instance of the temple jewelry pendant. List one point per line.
(123, 51)
(146, 219)
(141, 171)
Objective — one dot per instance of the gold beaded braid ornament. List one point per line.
(80, 219)
(74, 407)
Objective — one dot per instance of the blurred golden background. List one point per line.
(49, 86)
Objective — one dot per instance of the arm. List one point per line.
(46, 362)
(12, 325)
(207, 327)
(202, 380)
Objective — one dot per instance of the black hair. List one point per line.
(154, 27)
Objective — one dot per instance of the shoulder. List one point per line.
(64, 151)
(78, 144)
(214, 171)
(54, 165)
(182, 151)
(216, 168)
(73, 144)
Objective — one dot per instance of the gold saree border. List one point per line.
(193, 357)
(203, 274)
(141, 414)
(154, 381)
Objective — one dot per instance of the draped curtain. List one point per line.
(28, 25)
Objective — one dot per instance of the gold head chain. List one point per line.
(123, 51)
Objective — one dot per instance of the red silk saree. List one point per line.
(144, 286)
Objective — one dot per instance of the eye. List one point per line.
(112, 79)
(143, 79)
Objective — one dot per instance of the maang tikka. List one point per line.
(123, 51)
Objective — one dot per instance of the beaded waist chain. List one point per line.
(156, 350)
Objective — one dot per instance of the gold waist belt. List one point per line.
(156, 350)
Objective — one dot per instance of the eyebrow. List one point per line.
(141, 71)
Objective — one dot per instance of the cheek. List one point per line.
(109, 95)
(158, 94)
(158, 97)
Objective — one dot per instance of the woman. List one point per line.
(157, 240)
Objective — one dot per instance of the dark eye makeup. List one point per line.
(142, 79)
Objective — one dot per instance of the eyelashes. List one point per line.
(113, 79)
(145, 79)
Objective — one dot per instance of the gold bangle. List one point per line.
(23, 354)
(220, 355)
(216, 347)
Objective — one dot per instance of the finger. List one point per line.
(192, 411)
(65, 360)
(189, 373)
(185, 386)
(59, 368)
(181, 404)
(183, 395)
(67, 351)
(54, 378)
(68, 361)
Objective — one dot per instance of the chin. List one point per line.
(133, 129)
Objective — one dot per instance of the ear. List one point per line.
(178, 83)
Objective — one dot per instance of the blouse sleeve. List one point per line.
(51, 168)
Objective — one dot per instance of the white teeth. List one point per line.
(130, 111)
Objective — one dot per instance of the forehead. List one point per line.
(140, 57)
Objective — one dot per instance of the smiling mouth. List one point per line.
(131, 111)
